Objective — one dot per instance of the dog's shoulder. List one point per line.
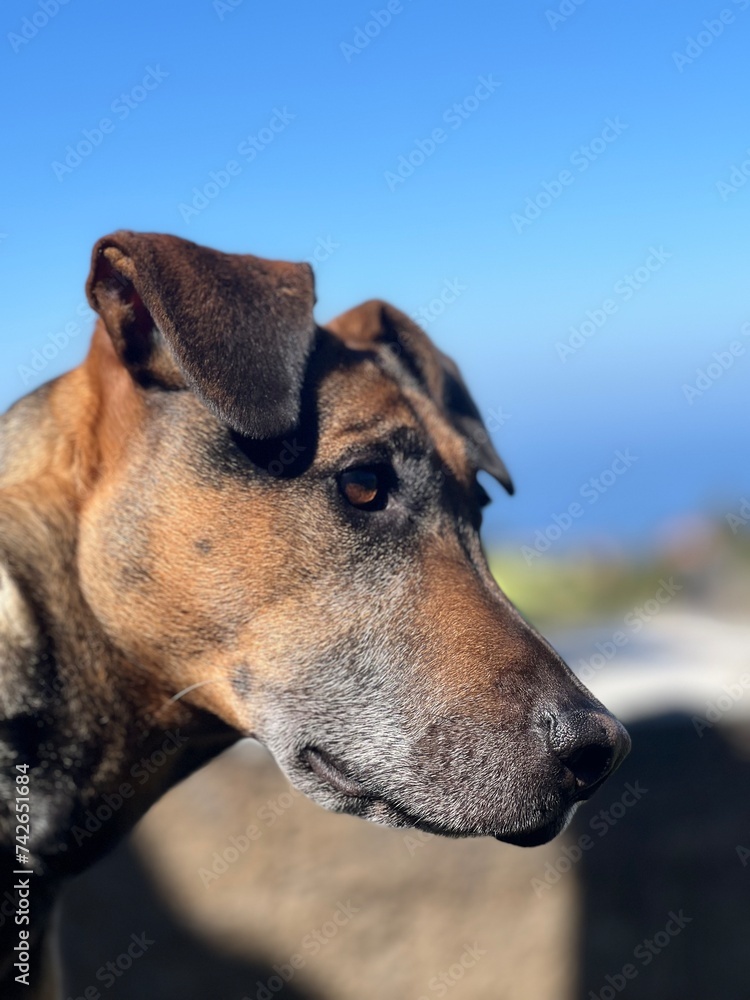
(29, 541)
(20, 645)
(26, 435)
(30, 545)
(22, 460)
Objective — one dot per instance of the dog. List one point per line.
(230, 521)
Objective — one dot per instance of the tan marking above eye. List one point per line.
(360, 486)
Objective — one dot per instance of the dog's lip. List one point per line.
(324, 767)
(542, 834)
(531, 838)
(328, 770)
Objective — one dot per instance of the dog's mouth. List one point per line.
(329, 771)
(362, 801)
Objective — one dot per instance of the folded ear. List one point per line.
(236, 329)
(377, 322)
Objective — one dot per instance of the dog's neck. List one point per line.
(102, 741)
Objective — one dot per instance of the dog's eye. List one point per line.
(366, 487)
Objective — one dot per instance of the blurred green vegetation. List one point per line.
(709, 562)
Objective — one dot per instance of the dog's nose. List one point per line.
(590, 745)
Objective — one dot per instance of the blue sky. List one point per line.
(630, 126)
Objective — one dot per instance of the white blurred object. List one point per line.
(675, 662)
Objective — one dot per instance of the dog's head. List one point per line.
(285, 526)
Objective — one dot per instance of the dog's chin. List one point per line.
(334, 789)
(538, 835)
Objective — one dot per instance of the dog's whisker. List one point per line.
(187, 690)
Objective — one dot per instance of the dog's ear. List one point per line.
(377, 322)
(236, 329)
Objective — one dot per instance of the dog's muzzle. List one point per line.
(529, 801)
